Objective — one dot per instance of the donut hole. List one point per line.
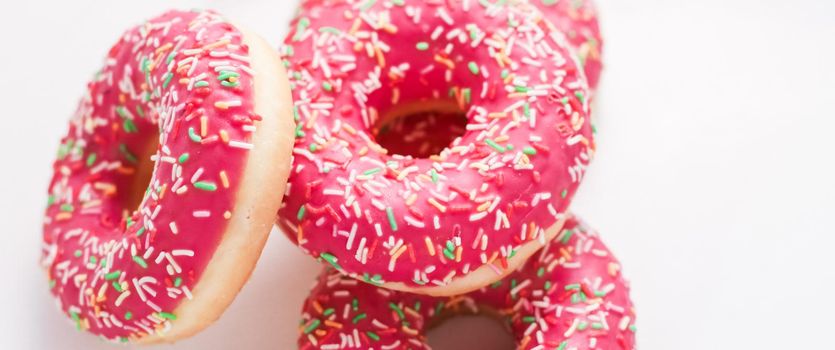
(471, 332)
(138, 175)
(420, 130)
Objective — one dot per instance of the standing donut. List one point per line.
(445, 223)
(155, 216)
(570, 295)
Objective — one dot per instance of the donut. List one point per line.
(154, 218)
(570, 295)
(443, 223)
(577, 20)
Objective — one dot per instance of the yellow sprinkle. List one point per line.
(436, 204)
(227, 215)
(224, 136)
(204, 126)
(483, 206)
(411, 200)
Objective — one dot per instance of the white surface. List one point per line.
(713, 182)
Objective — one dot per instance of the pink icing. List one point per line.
(570, 295)
(577, 19)
(424, 221)
(183, 79)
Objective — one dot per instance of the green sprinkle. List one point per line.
(193, 136)
(372, 335)
(140, 111)
(596, 325)
(467, 92)
(113, 275)
(417, 305)
(562, 345)
(327, 86)
(520, 88)
(183, 158)
(331, 30)
(574, 286)
(564, 193)
(141, 262)
(93, 259)
(312, 147)
(167, 316)
(547, 285)
(358, 318)
(495, 145)
(300, 213)
(328, 311)
(123, 148)
(178, 281)
(392, 222)
(229, 84)
(77, 253)
(355, 304)
(579, 95)
(566, 236)
(549, 2)
(299, 132)
(201, 83)
(330, 258)
(422, 46)
(225, 74)
(117, 286)
(368, 4)
(205, 186)
(372, 171)
(582, 326)
(633, 328)
(434, 175)
(473, 67)
(496, 284)
(529, 151)
(168, 77)
(66, 207)
(312, 326)
(399, 311)
(505, 73)
(129, 126)
(122, 112)
(529, 319)
(540, 272)
(140, 231)
(91, 159)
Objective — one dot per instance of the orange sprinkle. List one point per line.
(224, 136)
(216, 44)
(429, 246)
(224, 180)
(333, 324)
(436, 204)
(317, 306)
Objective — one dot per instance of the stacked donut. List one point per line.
(436, 149)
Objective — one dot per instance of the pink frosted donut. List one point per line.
(155, 218)
(451, 222)
(577, 20)
(570, 295)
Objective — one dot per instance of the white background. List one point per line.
(713, 181)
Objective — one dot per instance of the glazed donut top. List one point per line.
(570, 295)
(385, 217)
(178, 87)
